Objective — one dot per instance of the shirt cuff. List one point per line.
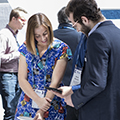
(76, 87)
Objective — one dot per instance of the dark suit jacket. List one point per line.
(99, 96)
(71, 37)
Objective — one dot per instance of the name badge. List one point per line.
(76, 79)
(41, 94)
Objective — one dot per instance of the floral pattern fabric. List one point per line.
(39, 75)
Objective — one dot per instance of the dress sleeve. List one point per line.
(65, 51)
(22, 49)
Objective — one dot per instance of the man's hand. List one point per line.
(68, 100)
(66, 94)
(66, 90)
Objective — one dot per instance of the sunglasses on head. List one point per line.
(22, 19)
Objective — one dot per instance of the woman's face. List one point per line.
(42, 36)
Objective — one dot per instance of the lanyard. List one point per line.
(16, 41)
(32, 73)
(78, 55)
(44, 70)
(80, 52)
(62, 27)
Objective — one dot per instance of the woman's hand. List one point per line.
(39, 115)
(43, 103)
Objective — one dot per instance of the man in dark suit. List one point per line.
(99, 95)
(70, 36)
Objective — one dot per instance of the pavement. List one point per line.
(1, 109)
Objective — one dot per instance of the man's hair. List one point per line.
(87, 8)
(15, 13)
(62, 17)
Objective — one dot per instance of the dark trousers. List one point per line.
(72, 113)
(10, 92)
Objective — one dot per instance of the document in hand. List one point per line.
(24, 118)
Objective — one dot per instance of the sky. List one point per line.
(48, 7)
(51, 7)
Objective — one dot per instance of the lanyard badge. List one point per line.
(76, 79)
(41, 94)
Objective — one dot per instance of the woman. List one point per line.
(42, 63)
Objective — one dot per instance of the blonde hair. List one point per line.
(34, 22)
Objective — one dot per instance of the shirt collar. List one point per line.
(64, 24)
(14, 33)
(94, 28)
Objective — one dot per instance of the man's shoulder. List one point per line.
(70, 32)
(6, 34)
(5, 31)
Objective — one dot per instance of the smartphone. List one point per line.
(54, 89)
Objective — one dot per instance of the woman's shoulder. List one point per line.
(62, 48)
(23, 48)
(58, 43)
(57, 40)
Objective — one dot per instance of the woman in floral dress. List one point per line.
(42, 63)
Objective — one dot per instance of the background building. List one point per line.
(5, 9)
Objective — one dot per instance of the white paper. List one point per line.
(24, 118)
(76, 79)
(40, 93)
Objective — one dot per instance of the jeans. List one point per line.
(10, 92)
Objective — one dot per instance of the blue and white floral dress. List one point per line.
(42, 77)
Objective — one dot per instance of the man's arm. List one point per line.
(6, 55)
